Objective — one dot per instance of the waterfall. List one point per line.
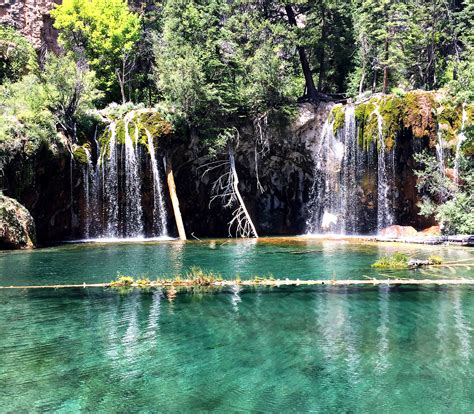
(114, 202)
(340, 165)
(159, 213)
(336, 161)
(133, 210)
(460, 139)
(350, 168)
(85, 178)
(440, 151)
(384, 211)
(110, 184)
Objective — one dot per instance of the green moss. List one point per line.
(366, 122)
(338, 115)
(418, 114)
(80, 153)
(391, 110)
(141, 120)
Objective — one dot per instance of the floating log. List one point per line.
(258, 282)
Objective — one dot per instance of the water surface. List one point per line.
(324, 350)
(298, 349)
(293, 258)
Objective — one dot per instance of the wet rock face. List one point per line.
(285, 173)
(17, 228)
(31, 18)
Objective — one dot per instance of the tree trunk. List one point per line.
(385, 69)
(322, 54)
(374, 81)
(174, 198)
(312, 92)
(121, 81)
(361, 83)
(237, 193)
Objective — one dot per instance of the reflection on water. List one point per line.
(382, 362)
(281, 349)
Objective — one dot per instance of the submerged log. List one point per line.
(259, 282)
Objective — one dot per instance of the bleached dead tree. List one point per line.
(262, 144)
(226, 189)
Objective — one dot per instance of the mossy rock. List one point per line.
(17, 227)
(419, 114)
(367, 123)
(80, 153)
(338, 117)
(391, 110)
(138, 123)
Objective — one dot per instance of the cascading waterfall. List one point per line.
(460, 139)
(113, 188)
(384, 173)
(159, 214)
(440, 146)
(337, 162)
(109, 175)
(133, 211)
(340, 163)
(85, 179)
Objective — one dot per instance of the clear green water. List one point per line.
(322, 349)
(298, 350)
(292, 258)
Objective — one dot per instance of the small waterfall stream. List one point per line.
(460, 139)
(133, 216)
(338, 162)
(341, 167)
(384, 174)
(159, 213)
(114, 199)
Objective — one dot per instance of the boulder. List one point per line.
(17, 228)
(396, 231)
(431, 231)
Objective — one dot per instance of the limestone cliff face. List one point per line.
(31, 18)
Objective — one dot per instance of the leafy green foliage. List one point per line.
(17, 56)
(451, 203)
(32, 109)
(104, 32)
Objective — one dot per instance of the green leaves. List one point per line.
(105, 32)
(17, 56)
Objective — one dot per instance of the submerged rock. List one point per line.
(396, 231)
(17, 228)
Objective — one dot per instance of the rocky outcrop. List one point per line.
(17, 228)
(31, 18)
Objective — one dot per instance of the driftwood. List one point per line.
(260, 282)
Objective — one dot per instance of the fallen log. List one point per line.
(258, 282)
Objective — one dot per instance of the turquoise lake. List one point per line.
(323, 349)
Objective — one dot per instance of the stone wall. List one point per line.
(31, 18)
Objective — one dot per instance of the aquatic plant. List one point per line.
(122, 281)
(396, 261)
(436, 260)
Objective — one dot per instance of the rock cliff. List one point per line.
(31, 18)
